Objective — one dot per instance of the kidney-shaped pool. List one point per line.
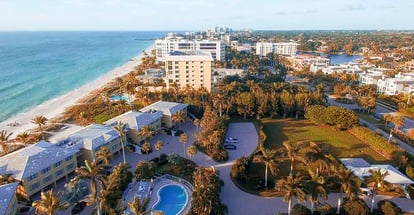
(172, 199)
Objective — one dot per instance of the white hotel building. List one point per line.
(165, 46)
(264, 48)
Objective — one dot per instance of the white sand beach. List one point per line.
(56, 106)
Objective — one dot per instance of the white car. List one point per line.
(231, 140)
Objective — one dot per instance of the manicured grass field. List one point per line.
(339, 143)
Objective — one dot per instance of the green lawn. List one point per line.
(340, 143)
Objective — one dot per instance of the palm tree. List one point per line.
(146, 132)
(387, 119)
(291, 187)
(191, 151)
(378, 180)
(40, 121)
(146, 148)
(139, 208)
(398, 121)
(349, 184)
(183, 140)
(178, 117)
(218, 101)
(4, 138)
(317, 156)
(288, 102)
(48, 203)
(158, 146)
(104, 155)
(96, 175)
(120, 128)
(268, 157)
(197, 123)
(292, 150)
(315, 188)
(6, 178)
(23, 138)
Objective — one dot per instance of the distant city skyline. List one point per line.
(194, 15)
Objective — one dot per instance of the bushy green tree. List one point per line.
(299, 209)
(388, 207)
(239, 170)
(355, 206)
(145, 170)
(316, 114)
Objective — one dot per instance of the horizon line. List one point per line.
(175, 30)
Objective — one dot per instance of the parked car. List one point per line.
(231, 140)
(78, 207)
(230, 147)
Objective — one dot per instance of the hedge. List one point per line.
(375, 141)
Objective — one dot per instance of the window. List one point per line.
(47, 179)
(70, 166)
(45, 170)
(115, 147)
(69, 158)
(58, 163)
(34, 186)
(32, 177)
(59, 173)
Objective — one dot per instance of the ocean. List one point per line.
(39, 66)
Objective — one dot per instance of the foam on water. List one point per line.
(39, 66)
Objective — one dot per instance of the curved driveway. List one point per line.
(237, 201)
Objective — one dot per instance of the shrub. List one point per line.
(375, 141)
(299, 209)
(220, 156)
(239, 170)
(316, 114)
(409, 171)
(410, 191)
(355, 207)
(340, 117)
(145, 170)
(388, 208)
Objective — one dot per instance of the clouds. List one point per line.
(354, 7)
(308, 11)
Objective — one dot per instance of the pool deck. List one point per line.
(146, 188)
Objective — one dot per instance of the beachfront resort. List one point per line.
(179, 135)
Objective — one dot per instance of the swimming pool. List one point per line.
(117, 97)
(172, 199)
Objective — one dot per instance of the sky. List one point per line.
(33, 15)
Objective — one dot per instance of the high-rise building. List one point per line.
(264, 48)
(189, 68)
(170, 44)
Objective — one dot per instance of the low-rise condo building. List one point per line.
(371, 78)
(38, 166)
(394, 86)
(361, 168)
(134, 121)
(171, 44)
(90, 139)
(168, 109)
(8, 200)
(264, 48)
(191, 69)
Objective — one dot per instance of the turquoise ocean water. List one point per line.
(38, 66)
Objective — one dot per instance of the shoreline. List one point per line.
(55, 107)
